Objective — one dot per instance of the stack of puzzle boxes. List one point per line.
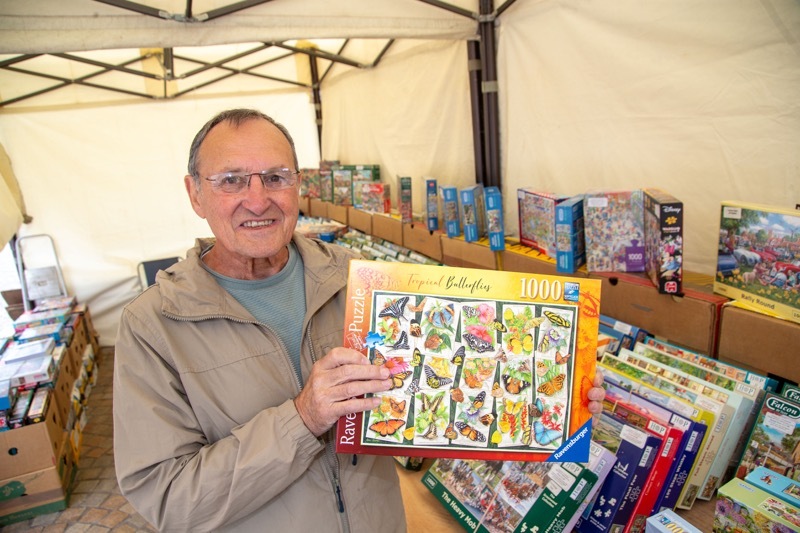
(40, 456)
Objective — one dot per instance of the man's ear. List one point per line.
(193, 190)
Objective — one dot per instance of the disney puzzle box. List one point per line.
(484, 364)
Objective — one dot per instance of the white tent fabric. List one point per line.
(412, 114)
(107, 184)
(699, 99)
(76, 25)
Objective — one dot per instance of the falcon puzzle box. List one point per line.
(484, 364)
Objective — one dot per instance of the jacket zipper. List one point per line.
(330, 451)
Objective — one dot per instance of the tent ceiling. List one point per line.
(165, 49)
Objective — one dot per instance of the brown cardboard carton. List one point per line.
(38, 492)
(33, 447)
(759, 342)
(318, 208)
(303, 204)
(388, 228)
(338, 213)
(690, 320)
(360, 220)
(417, 237)
(520, 258)
(459, 253)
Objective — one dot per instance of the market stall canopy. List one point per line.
(167, 49)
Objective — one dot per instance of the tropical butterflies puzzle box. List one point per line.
(485, 364)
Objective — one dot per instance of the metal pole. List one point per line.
(489, 90)
(475, 97)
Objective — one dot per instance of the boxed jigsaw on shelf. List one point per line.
(663, 237)
(537, 219)
(511, 496)
(758, 262)
(614, 226)
(473, 208)
(484, 364)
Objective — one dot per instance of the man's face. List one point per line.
(257, 223)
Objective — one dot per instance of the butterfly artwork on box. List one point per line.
(470, 311)
(497, 326)
(450, 433)
(497, 391)
(402, 342)
(556, 319)
(414, 329)
(561, 359)
(543, 435)
(395, 309)
(476, 343)
(537, 408)
(458, 356)
(470, 432)
(510, 417)
(386, 428)
(477, 402)
(552, 386)
(515, 385)
(434, 380)
(397, 408)
(416, 358)
(477, 370)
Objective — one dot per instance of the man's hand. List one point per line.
(596, 394)
(333, 386)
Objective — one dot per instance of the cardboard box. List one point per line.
(404, 203)
(432, 204)
(360, 220)
(537, 219)
(317, 208)
(520, 258)
(756, 341)
(690, 320)
(495, 225)
(457, 252)
(417, 237)
(663, 234)
(668, 521)
(31, 448)
(613, 223)
(38, 492)
(303, 205)
(743, 507)
(388, 228)
(452, 222)
(337, 213)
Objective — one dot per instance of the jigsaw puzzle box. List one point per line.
(484, 364)
(614, 227)
(537, 219)
(758, 259)
(663, 234)
(513, 496)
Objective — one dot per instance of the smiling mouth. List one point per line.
(258, 223)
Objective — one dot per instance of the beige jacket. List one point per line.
(206, 434)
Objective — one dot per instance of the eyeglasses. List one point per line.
(274, 179)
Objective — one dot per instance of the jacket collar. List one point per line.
(189, 292)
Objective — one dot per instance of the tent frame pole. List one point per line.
(489, 88)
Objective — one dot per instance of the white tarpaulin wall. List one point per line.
(700, 99)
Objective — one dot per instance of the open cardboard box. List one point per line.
(359, 219)
(38, 492)
(417, 237)
(690, 320)
(387, 228)
(459, 253)
(759, 342)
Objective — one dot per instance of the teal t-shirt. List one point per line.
(278, 301)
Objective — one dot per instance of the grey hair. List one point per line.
(236, 117)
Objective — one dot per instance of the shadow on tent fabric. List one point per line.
(147, 269)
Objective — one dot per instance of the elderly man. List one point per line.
(229, 374)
